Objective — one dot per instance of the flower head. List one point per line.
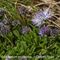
(54, 31)
(4, 29)
(40, 16)
(25, 29)
(22, 10)
(45, 30)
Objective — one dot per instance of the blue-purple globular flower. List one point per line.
(45, 30)
(40, 16)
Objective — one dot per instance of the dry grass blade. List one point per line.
(54, 23)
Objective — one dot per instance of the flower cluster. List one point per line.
(39, 19)
(50, 31)
(45, 30)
